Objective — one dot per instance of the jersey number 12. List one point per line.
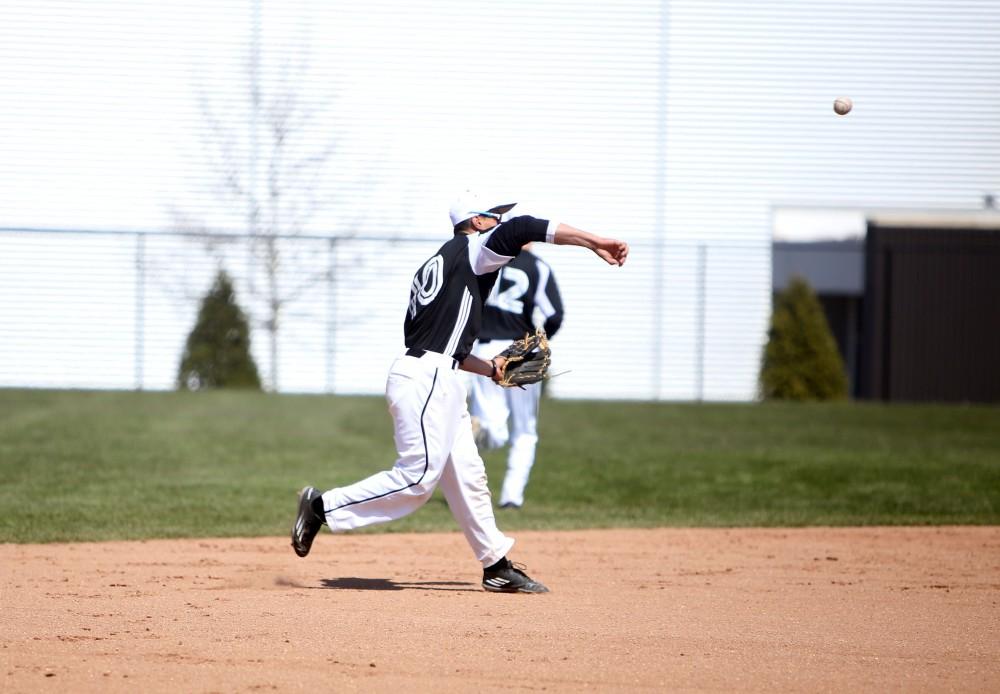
(510, 299)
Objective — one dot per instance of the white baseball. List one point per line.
(842, 105)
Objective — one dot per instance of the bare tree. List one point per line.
(268, 165)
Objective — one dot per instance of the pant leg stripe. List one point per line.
(423, 434)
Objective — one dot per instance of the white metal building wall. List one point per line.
(750, 128)
(683, 120)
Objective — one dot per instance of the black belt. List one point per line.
(417, 352)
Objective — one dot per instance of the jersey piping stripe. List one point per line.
(541, 297)
(463, 317)
(423, 434)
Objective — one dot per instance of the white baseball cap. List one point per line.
(469, 204)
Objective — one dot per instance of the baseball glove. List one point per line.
(527, 361)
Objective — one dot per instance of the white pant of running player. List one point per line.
(433, 434)
(493, 406)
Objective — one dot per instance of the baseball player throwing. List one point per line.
(524, 298)
(427, 398)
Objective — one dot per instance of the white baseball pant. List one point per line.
(493, 406)
(433, 435)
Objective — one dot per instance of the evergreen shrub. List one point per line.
(801, 361)
(217, 354)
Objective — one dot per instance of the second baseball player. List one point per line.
(524, 297)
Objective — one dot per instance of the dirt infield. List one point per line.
(874, 609)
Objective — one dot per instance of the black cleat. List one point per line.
(510, 505)
(511, 579)
(307, 523)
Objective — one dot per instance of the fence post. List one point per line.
(140, 307)
(657, 305)
(331, 312)
(700, 317)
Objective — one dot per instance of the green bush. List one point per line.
(217, 354)
(801, 361)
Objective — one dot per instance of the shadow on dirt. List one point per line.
(353, 583)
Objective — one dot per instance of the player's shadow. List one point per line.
(355, 583)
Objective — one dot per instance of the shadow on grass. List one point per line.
(354, 583)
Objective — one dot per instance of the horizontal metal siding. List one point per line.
(750, 127)
(532, 100)
(750, 120)
(679, 121)
(67, 311)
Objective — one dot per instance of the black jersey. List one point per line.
(448, 291)
(524, 296)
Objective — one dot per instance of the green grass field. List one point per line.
(123, 465)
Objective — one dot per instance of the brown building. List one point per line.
(914, 306)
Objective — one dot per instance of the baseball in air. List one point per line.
(842, 105)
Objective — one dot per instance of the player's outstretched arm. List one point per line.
(611, 251)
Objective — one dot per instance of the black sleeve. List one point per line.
(508, 238)
(552, 325)
(553, 322)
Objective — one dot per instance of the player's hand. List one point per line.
(612, 251)
(498, 372)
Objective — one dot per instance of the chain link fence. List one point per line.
(112, 310)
